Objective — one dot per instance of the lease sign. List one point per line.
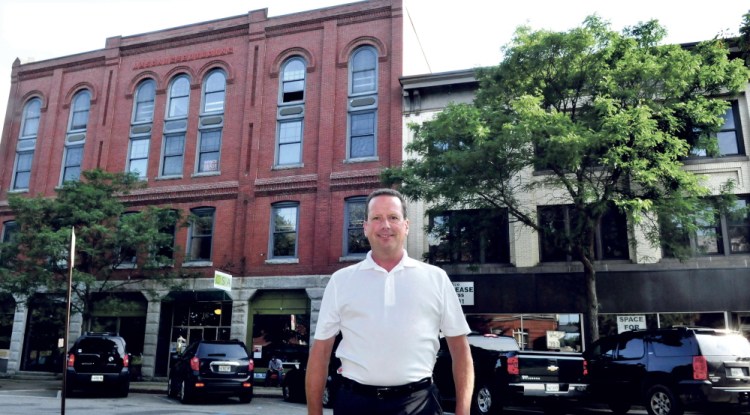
(465, 292)
(631, 322)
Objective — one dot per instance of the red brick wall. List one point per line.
(250, 49)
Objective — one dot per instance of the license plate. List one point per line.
(225, 368)
(736, 372)
(97, 378)
(552, 387)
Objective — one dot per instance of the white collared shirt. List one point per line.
(390, 321)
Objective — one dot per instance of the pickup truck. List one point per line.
(505, 375)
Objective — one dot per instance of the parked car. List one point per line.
(293, 385)
(98, 361)
(668, 370)
(212, 368)
(505, 374)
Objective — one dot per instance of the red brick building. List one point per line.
(274, 128)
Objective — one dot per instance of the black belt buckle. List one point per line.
(381, 393)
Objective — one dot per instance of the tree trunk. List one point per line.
(592, 303)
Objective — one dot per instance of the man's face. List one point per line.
(385, 227)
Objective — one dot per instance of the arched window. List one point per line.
(175, 127)
(76, 137)
(291, 113)
(145, 94)
(363, 104)
(211, 123)
(140, 128)
(32, 114)
(214, 91)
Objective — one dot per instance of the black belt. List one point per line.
(382, 392)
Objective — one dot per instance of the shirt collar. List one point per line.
(406, 262)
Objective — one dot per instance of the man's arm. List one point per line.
(317, 373)
(463, 372)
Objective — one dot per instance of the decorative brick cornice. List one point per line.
(356, 179)
(186, 40)
(307, 183)
(183, 193)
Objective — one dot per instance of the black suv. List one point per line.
(667, 370)
(212, 368)
(98, 360)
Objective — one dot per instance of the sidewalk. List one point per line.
(25, 381)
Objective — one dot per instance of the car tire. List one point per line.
(123, 390)
(619, 407)
(246, 397)
(660, 400)
(170, 388)
(483, 401)
(183, 394)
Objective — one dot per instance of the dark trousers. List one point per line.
(421, 402)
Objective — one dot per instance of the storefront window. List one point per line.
(285, 336)
(546, 332)
(207, 320)
(610, 324)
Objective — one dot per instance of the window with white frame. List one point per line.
(32, 113)
(76, 136)
(211, 123)
(284, 219)
(201, 234)
(355, 241)
(290, 112)
(175, 127)
(363, 104)
(140, 128)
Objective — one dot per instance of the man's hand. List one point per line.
(463, 372)
(317, 374)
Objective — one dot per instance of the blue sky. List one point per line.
(453, 35)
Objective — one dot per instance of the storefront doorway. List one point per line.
(45, 328)
(280, 321)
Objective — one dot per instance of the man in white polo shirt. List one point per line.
(390, 310)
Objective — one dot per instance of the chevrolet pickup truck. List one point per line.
(506, 375)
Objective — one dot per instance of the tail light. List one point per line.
(513, 366)
(700, 368)
(195, 364)
(125, 360)
(251, 365)
(585, 368)
(71, 360)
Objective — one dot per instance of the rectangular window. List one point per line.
(355, 242)
(72, 165)
(210, 146)
(284, 231)
(23, 170)
(174, 147)
(717, 232)
(138, 160)
(289, 149)
(362, 134)
(201, 234)
(9, 229)
(729, 137)
(559, 222)
(476, 236)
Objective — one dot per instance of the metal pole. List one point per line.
(67, 318)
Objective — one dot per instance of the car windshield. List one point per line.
(227, 351)
(720, 344)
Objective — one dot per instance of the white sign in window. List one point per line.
(222, 281)
(465, 292)
(631, 322)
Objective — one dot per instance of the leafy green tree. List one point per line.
(743, 40)
(114, 248)
(595, 117)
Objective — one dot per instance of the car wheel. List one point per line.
(170, 387)
(661, 401)
(328, 396)
(246, 397)
(183, 394)
(482, 401)
(124, 390)
(619, 407)
(285, 393)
